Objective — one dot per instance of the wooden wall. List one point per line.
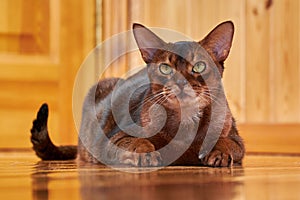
(43, 43)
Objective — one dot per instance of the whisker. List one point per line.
(148, 98)
(156, 97)
(213, 97)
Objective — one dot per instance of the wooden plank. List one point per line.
(54, 26)
(285, 61)
(29, 72)
(115, 18)
(40, 12)
(24, 27)
(10, 18)
(271, 138)
(258, 62)
(24, 95)
(74, 47)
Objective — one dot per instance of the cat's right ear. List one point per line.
(147, 42)
(218, 42)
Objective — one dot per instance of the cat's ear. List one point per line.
(147, 42)
(218, 41)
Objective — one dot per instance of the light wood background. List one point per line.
(43, 44)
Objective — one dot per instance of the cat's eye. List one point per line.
(165, 69)
(199, 67)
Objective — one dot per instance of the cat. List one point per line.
(182, 89)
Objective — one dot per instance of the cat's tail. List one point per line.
(42, 144)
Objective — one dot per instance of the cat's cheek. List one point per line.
(203, 103)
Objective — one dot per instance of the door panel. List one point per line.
(42, 44)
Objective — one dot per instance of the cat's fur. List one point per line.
(181, 57)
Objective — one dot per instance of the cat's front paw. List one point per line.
(217, 158)
(143, 154)
(151, 159)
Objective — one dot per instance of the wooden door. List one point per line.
(42, 44)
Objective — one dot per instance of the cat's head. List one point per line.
(184, 70)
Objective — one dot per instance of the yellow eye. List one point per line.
(165, 69)
(199, 67)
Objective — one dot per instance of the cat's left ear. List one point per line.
(147, 42)
(218, 41)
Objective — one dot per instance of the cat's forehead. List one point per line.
(185, 45)
(188, 50)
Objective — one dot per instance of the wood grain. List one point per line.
(25, 27)
(271, 138)
(42, 44)
(257, 62)
(284, 61)
(24, 177)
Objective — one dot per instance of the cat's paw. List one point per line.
(217, 158)
(151, 159)
(142, 155)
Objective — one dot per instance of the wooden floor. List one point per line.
(23, 176)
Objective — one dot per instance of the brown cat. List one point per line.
(173, 105)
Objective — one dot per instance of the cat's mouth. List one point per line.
(183, 99)
(187, 100)
(182, 95)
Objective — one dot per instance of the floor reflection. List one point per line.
(98, 182)
(262, 177)
(40, 185)
(170, 183)
(55, 178)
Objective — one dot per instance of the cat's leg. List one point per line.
(42, 143)
(129, 150)
(227, 152)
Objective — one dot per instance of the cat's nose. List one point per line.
(181, 82)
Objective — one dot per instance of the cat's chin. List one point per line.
(183, 103)
(188, 108)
